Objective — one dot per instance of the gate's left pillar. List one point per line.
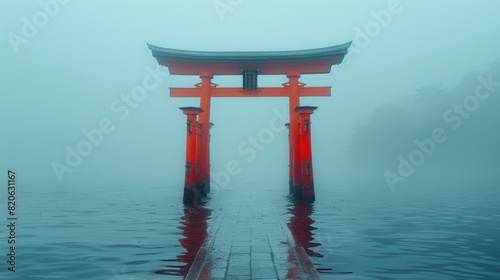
(191, 153)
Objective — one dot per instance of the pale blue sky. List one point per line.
(64, 78)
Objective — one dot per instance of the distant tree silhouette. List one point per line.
(471, 151)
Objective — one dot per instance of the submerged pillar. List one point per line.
(294, 102)
(191, 153)
(306, 168)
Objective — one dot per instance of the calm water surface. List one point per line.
(438, 233)
(144, 232)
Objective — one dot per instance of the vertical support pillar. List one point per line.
(294, 101)
(191, 153)
(290, 161)
(204, 176)
(199, 149)
(306, 152)
(208, 155)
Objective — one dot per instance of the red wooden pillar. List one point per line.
(306, 169)
(290, 161)
(208, 160)
(203, 178)
(199, 159)
(294, 101)
(191, 152)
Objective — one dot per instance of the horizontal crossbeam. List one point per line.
(260, 92)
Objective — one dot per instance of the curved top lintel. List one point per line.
(187, 62)
(248, 56)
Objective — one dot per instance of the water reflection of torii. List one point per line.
(300, 224)
(195, 231)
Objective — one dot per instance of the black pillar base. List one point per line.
(309, 198)
(308, 193)
(189, 196)
(202, 188)
(299, 196)
(194, 196)
(297, 192)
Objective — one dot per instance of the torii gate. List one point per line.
(250, 65)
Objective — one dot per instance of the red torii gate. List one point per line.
(249, 64)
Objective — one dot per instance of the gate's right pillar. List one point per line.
(306, 168)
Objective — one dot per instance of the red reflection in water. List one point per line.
(194, 226)
(300, 224)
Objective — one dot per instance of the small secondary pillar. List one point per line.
(191, 153)
(306, 168)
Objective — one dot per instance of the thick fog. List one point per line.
(416, 100)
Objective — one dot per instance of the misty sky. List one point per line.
(64, 77)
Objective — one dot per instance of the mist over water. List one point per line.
(405, 151)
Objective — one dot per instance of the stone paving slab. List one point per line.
(249, 241)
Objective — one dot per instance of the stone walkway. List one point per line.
(249, 241)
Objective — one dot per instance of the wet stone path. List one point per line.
(249, 241)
